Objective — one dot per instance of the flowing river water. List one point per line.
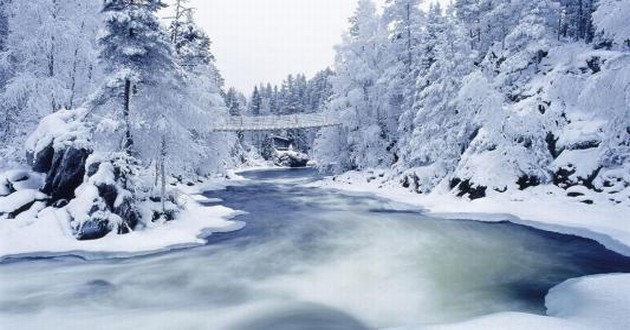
(309, 258)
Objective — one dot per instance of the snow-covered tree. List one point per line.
(167, 94)
(404, 21)
(235, 102)
(576, 19)
(357, 98)
(255, 105)
(434, 26)
(4, 25)
(47, 62)
(203, 102)
(441, 130)
(611, 23)
(136, 54)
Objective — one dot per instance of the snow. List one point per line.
(19, 199)
(581, 130)
(611, 18)
(595, 302)
(545, 207)
(19, 180)
(61, 127)
(592, 302)
(18, 237)
(585, 162)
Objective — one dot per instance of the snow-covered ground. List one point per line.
(543, 207)
(51, 234)
(593, 302)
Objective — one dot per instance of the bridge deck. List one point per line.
(272, 123)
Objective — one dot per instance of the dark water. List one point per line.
(309, 258)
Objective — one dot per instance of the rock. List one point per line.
(19, 201)
(22, 179)
(42, 161)
(66, 173)
(564, 178)
(98, 223)
(129, 214)
(468, 188)
(93, 229)
(6, 187)
(527, 181)
(594, 64)
(290, 159)
(103, 203)
(108, 193)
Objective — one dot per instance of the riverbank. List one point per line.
(371, 276)
(591, 302)
(543, 207)
(51, 235)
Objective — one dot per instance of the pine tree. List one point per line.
(434, 27)
(441, 129)
(201, 104)
(576, 20)
(404, 19)
(233, 102)
(135, 51)
(255, 106)
(357, 98)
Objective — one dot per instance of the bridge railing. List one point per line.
(276, 122)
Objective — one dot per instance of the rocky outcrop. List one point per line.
(59, 148)
(466, 188)
(100, 193)
(19, 193)
(290, 159)
(104, 204)
(66, 173)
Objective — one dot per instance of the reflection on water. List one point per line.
(309, 258)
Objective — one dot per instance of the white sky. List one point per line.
(264, 40)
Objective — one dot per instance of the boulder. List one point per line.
(103, 204)
(19, 201)
(466, 187)
(42, 160)
(290, 159)
(66, 173)
(129, 214)
(6, 187)
(97, 226)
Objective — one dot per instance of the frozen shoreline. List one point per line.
(543, 207)
(22, 240)
(591, 302)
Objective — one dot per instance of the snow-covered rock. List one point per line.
(14, 180)
(19, 201)
(55, 132)
(103, 203)
(59, 147)
(290, 159)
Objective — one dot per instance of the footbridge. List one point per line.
(274, 123)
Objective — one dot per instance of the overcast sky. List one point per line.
(264, 40)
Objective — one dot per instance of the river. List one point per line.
(309, 258)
